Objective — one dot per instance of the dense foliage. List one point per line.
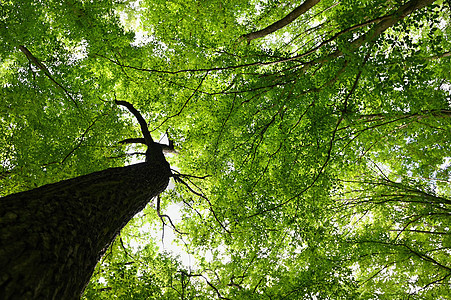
(313, 162)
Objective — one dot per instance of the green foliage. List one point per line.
(313, 163)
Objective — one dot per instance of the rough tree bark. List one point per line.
(52, 237)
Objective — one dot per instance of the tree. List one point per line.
(53, 236)
(312, 138)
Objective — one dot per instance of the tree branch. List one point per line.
(178, 179)
(46, 71)
(166, 148)
(185, 104)
(446, 54)
(296, 13)
(218, 293)
(312, 183)
(145, 131)
(133, 141)
(82, 138)
(385, 23)
(161, 216)
(419, 231)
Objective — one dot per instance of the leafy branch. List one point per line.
(184, 105)
(293, 15)
(178, 178)
(46, 71)
(161, 216)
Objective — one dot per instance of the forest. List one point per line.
(287, 149)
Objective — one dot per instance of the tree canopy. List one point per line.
(313, 138)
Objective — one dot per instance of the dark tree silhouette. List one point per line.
(51, 237)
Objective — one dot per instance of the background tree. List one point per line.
(318, 153)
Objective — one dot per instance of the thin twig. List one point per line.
(184, 105)
(32, 59)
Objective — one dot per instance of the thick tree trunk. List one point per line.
(52, 237)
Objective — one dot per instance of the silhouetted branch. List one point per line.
(82, 138)
(165, 148)
(312, 183)
(161, 216)
(145, 131)
(419, 231)
(125, 249)
(178, 179)
(383, 24)
(133, 141)
(436, 281)
(184, 105)
(126, 154)
(209, 283)
(189, 176)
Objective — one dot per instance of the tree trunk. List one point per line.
(52, 237)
